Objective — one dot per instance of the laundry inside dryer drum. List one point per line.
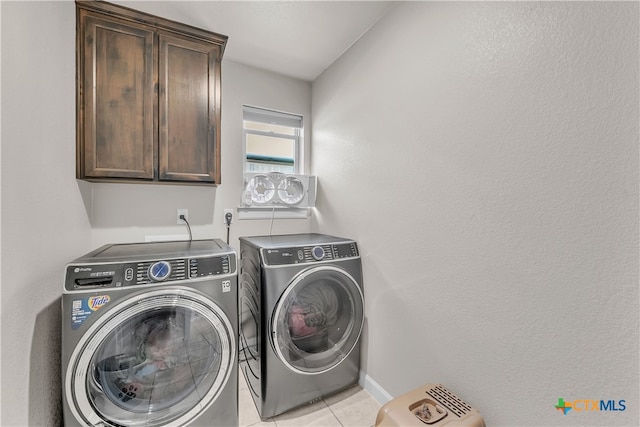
(315, 322)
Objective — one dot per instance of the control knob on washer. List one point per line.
(160, 270)
(317, 253)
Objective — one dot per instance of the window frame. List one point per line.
(276, 117)
(279, 118)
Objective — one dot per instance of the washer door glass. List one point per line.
(159, 360)
(318, 320)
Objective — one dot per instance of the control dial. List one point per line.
(160, 271)
(317, 253)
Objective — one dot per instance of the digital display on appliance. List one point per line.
(282, 256)
(346, 250)
(211, 266)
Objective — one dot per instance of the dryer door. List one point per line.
(160, 358)
(318, 320)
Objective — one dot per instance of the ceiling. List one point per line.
(296, 38)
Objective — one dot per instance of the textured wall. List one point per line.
(44, 223)
(485, 155)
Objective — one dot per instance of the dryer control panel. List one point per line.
(309, 254)
(90, 276)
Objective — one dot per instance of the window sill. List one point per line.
(271, 212)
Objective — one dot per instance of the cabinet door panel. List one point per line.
(118, 101)
(188, 147)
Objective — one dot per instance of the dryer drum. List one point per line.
(317, 322)
(311, 314)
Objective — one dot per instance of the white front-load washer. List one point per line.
(149, 335)
(301, 317)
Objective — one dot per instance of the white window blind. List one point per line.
(262, 115)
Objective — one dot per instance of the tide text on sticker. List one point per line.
(97, 302)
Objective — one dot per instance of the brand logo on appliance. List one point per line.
(95, 303)
(590, 405)
(78, 269)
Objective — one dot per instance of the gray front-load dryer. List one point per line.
(149, 336)
(301, 316)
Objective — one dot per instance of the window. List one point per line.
(271, 141)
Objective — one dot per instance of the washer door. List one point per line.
(318, 320)
(160, 358)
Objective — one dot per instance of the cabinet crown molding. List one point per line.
(157, 22)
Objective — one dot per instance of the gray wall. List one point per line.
(50, 218)
(44, 223)
(485, 156)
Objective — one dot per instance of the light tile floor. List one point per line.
(353, 407)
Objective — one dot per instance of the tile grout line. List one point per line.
(334, 414)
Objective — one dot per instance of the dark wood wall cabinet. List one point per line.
(148, 97)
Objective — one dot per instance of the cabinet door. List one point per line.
(189, 110)
(116, 100)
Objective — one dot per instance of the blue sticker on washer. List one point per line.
(83, 308)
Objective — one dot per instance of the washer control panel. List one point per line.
(90, 276)
(309, 254)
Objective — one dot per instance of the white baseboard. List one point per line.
(374, 389)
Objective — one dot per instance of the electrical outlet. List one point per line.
(224, 217)
(184, 212)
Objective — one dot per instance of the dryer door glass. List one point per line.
(160, 360)
(318, 320)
